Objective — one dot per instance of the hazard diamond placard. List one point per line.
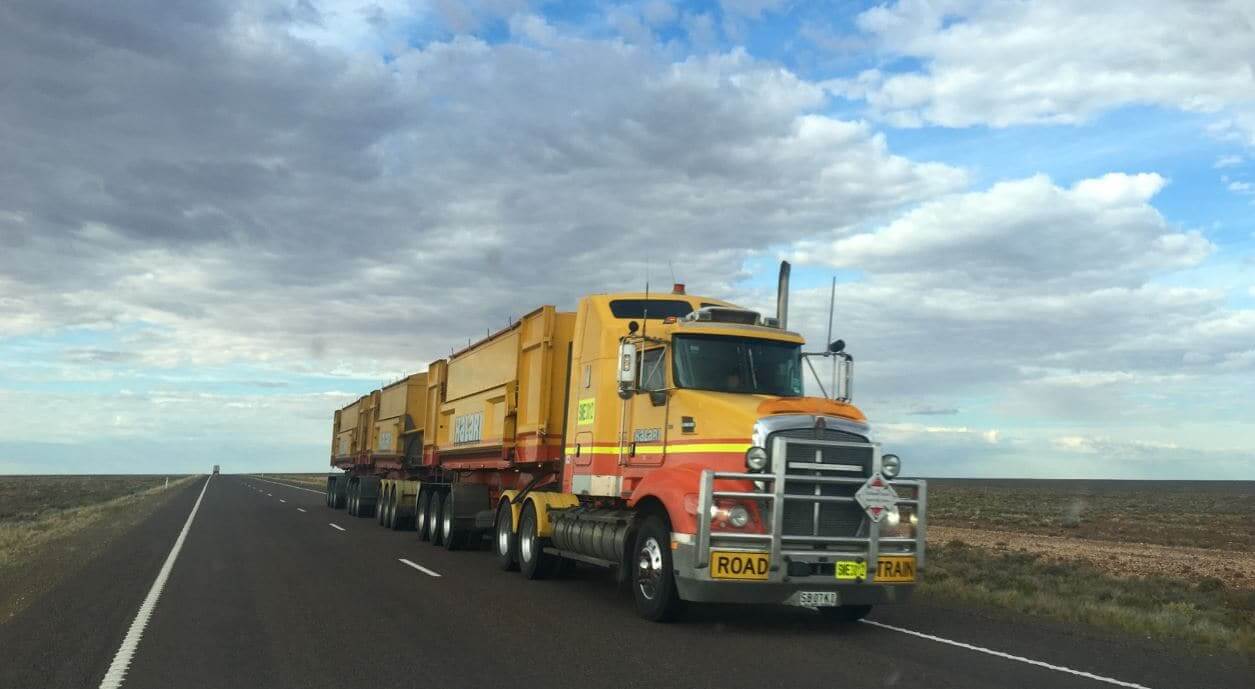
(876, 497)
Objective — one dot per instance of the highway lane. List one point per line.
(265, 594)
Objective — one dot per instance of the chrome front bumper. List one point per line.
(794, 559)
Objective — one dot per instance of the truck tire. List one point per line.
(421, 523)
(534, 562)
(845, 613)
(381, 512)
(352, 499)
(434, 513)
(450, 534)
(390, 517)
(653, 575)
(505, 541)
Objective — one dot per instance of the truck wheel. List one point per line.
(352, 500)
(653, 580)
(421, 523)
(434, 512)
(389, 518)
(381, 512)
(534, 562)
(396, 522)
(452, 536)
(505, 542)
(846, 613)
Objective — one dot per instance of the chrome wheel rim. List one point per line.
(503, 533)
(526, 544)
(649, 568)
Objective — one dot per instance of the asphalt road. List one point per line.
(266, 592)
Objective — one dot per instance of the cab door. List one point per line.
(645, 434)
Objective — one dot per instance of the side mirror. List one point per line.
(627, 369)
(836, 346)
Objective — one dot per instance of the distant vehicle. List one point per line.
(215, 470)
(665, 436)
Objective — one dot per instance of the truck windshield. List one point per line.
(738, 364)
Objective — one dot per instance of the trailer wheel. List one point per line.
(505, 541)
(653, 580)
(352, 498)
(434, 511)
(450, 534)
(421, 522)
(390, 517)
(534, 562)
(381, 510)
(845, 613)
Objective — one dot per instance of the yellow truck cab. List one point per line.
(691, 413)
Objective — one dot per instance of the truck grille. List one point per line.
(804, 460)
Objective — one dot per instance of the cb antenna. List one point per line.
(645, 311)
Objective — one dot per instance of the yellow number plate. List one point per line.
(895, 569)
(727, 564)
(851, 570)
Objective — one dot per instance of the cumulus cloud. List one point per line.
(1061, 61)
(307, 191)
(1029, 235)
(1045, 301)
(284, 197)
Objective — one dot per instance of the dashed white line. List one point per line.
(419, 567)
(337, 527)
(270, 495)
(282, 500)
(300, 509)
(122, 659)
(288, 485)
(1008, 656)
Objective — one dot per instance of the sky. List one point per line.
(221, 220)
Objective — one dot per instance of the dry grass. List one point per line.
(1163, 559)
(1198, 514)
(1202, 611)
(312, 480)
(40, 510)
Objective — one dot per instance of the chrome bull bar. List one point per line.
(771, 500)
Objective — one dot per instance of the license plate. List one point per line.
(895, 568)
(848, 570)
(817, 599)
(729, 564)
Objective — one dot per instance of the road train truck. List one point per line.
(667, 437)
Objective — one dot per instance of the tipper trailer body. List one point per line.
(665, 436)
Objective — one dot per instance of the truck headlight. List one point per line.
(893, 517)
(756, 458)
(890, 465)
(735, 516)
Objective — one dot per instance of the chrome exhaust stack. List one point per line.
(782, 297)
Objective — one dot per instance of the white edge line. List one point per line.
(300, 509)
(337, 526)
(1008, 656)
(116, 673)
(288, 485)
(419, 567)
